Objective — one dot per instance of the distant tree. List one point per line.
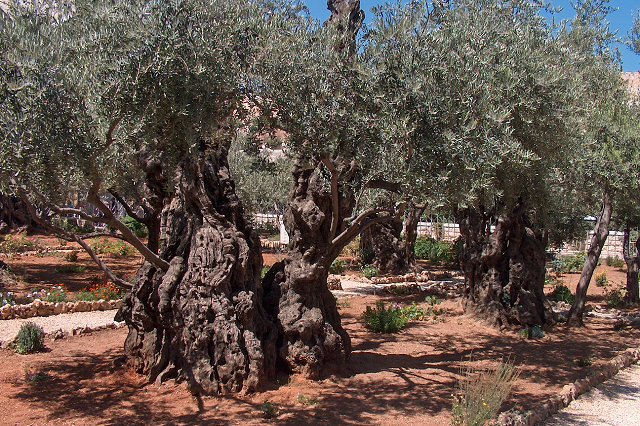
(490, 103)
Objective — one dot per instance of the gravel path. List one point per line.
(615, 402)
(65, 322)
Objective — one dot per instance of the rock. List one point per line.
(334, 283)
(81, 306)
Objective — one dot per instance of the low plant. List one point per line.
(20, 243)
(113, 248)
(383, 319)
(438, 251)
(535, 332)
(615, 262)
(37, 377)
(65, 269)
(307, 400)
(30, 339)
(71, 256)
(344, 303)
(264, 271)
(562, 293)
(369, 271)
(270, 409)
(570, 263)
(614, 296)
(601, 279)
(56, 294)
(481, 392)
(337, 266)
(103, 291)
(586, 361)
(8, 298)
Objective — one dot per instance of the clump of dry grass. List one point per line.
(481, 392)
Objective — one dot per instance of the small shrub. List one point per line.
(337, 266)
(71, 256)
(601, 279)
(344, 303)
(615, 262)
(37, 377)
(571, 263)
(438, 251)
(114, 248)
(561, 293)
(19, 243)
(307, 400)
(83, 295)
(481, 392)
(369, 271)
(586, 361)
(385, 320)
(56, 294)
(614, 296)
(30, 338)
(106, 291)
(534, 332)
(7, 298)
(270, 409)
(64, 269)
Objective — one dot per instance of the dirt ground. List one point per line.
(406, 378)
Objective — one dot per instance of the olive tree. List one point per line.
(490, 101)
(103, 97)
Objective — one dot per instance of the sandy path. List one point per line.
(65, 322)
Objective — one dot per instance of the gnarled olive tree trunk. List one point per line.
(381, 245)
(504, 269)
(311, 337)
(202, 320)
(13, 214)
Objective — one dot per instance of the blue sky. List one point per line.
(620, 20)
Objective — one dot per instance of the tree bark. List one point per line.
(504, 269)
(14, 214)
(311, 337)
(633, 265)
(593, 254)
(411, 234)
(387, 251)
(202, 321)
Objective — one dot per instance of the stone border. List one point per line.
(38, 308)
(569, 393)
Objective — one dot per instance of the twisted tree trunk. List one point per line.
(504, 269)
(311, 337)
(593, 254)
(13, 214)
(202, 320)
(383, 245)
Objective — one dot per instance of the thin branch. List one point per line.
(363, 221)
(129, 236)
(335, 200)
(383, 184)
(109, 136)
(72, 237)
(126, 206)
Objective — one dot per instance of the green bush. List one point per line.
(561, 293)
(70, 268)
(601, 279)
(114, 248)
(437, 251)
(385, 320)
(571, 263)
(614, 296)
(369, 271)
(138, 228)
(337, 266)
(615, 262)
(30, 338)
(56, 294)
